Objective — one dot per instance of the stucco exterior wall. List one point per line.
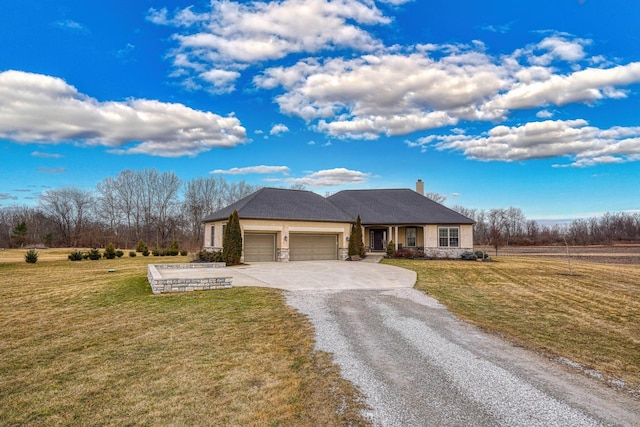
(282, 230)
(466, 235)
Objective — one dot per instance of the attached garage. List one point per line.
(309, 247)
(259, 247)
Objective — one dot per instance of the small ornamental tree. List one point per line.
(391, 247)
(110, 251)
(356, 243)
(31, 256)
(174, 248)
(232, 240)
(359, 243)
(94, 254)
(141, 246)
(351, 250)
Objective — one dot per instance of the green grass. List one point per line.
(591, 317)
(81, 345)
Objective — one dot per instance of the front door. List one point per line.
(378, 240)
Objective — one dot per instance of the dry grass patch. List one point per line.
(591, 317)
(80, 345)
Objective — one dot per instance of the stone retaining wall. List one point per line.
(161, 285)
(193, 265)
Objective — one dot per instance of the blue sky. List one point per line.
(491, 103)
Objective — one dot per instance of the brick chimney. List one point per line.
(420, 187)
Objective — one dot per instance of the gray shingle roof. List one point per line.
(278, 203)
(395, 206)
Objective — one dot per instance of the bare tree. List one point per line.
(436, 197)
(201, 197)
(497, 221)
(69, 209)
(239, 190)
(109, 207)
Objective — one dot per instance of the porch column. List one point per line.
(389, 235)
(396, 236)
(424, 236)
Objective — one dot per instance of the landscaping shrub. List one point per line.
(403, 253)
(174, 248)
(481, 255)
(210, 256)
(184, 253)
(31, 256)
(119, 253)
(141, 246)
(76, 256)
(469, 256)
(132, 254)
(109, 251)
(155, 252)
(145, 252)
(94, 254)
(391, 247)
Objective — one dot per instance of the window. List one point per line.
(213, 233)
(449, 237)
(411, 233)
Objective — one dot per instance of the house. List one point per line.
(294, 225)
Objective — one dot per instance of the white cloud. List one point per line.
(330, 178)
(46, 155)
(52, 170)
(582, 86)
(504, 28)
(434, 86)
(575, 139)
(232, 35)
(221, 80)
(558, 48)
(262, 169)
(544, 114)
(71, 25)
(36, 108)
(7, 196)
(278, 129)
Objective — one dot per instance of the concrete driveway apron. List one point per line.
(321, 275)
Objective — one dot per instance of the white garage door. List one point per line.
(259, 247)
(308, 247)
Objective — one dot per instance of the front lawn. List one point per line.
(84, 346)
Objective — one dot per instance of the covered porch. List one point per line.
(433, 240)
(376, 237)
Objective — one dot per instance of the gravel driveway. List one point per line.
(418, 365)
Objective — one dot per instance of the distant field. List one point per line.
(82, 346)
(614, 254)
(591, 317)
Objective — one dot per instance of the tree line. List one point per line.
(156, 207)
(503, 227)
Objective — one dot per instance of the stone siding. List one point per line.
(161, 285)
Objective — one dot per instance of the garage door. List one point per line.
(259, 247)
(308, 247)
